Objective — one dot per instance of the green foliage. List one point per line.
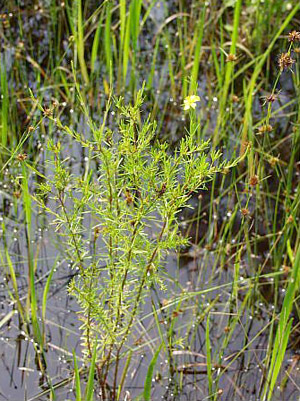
(129, 199)
(119, 218)
(4, 102)
(149, 376)
(90, 383)
(77, 379)
(284, 327)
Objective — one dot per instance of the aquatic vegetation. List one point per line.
(131, 194)
(149, 241)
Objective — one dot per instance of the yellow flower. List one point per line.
(190, 102)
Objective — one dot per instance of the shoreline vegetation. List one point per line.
(149, 200)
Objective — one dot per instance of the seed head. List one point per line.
(271, 98)
(231, 58)
(245, 212)
(17, 194)
(285, 61)
(248, 144)
(294, 36)
(97, 232)
(286, 269)
(265, 128)
(21, 157)
(253, 181)
(273, 161)
(48, 112)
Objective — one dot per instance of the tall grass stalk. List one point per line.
(283, 329)
(221, 121)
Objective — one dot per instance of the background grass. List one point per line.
(242, 264)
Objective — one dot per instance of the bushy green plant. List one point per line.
(119, 220)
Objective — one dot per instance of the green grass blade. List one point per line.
(90, 383)
(148, 381)
(199, 36)
(12, 274)
(126, 48)
(77, 378)
(228, 73)
(80, 43)
(46, 291)
(124, 374)
(107, 39)
(208, 359)
(95, 46)
(283, 330)
(257, 70)
(135, 21)
(122, 21)
(31, 276)
(283, 342)
(4, 101)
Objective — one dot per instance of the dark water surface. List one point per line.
(195, 270)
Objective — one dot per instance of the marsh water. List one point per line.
(191, 270)
(194, 269)
(21, 377)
